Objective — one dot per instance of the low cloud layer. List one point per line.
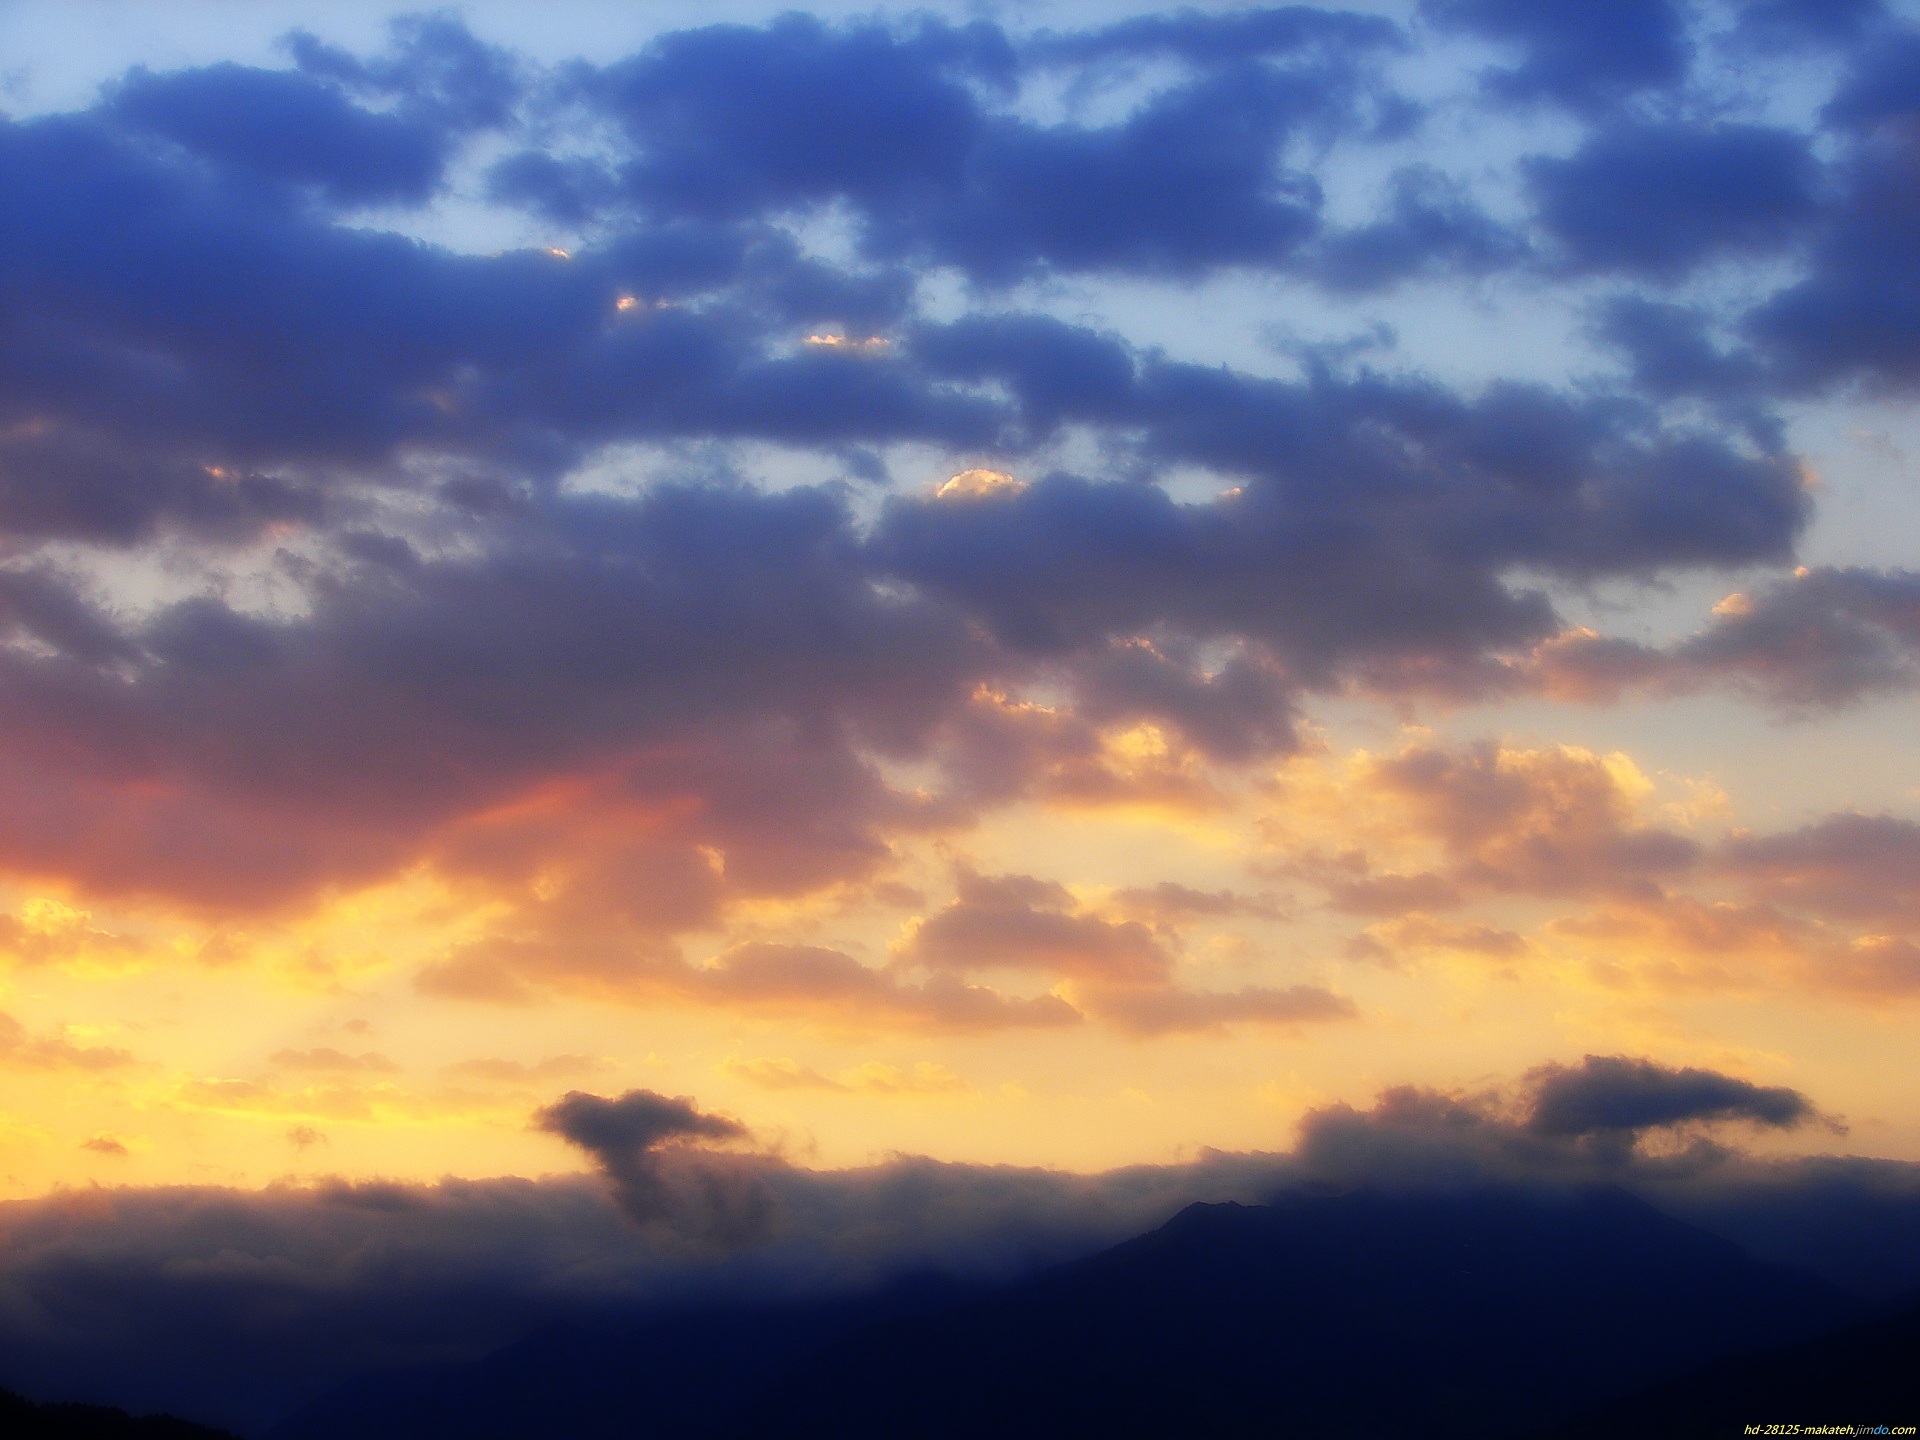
(235, 1305)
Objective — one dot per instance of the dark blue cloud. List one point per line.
(433, 68)
(1856, 314)
(1613, 1094)
(1213, 39)
(1659, 200)
(1374, 520)
(1431, 227)
(188, 350)
(1186, 184)
(154, 309)
(276, 126)
(1673, 353)
(569, 192)
(1882, 85)
(732, 121)
(1059, 372)
(1783, 24)
(1588, 55)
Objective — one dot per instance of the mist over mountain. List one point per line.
(1483, 1312)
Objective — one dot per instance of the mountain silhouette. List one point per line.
(1865, 1375)
(22, 1419)
(1468, 1315)
(686, 1374)
(1489, 1313)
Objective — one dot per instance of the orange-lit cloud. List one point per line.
(22, 1049)
(874, 1077)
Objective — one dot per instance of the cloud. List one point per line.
(712, 1203)
(511, 1072)
(301, 131)
(1018, 922)
(924, 1078)
(465, 636)
(1120, 972)
(874, 1077)
(1429, 227)
(1191, 180)
(1416, 934)
(1354, 887)
(1825, 638)
(22, 1049)
(235, 1306)
(531, 639)
(1144, 1011)
(1674, 354)
(779, 1073)
(841, 992)
(1203, 38)
(1679, 943)
(1428, 496)
(1783, 24)
(1848, 867)
(326, 1060)
(49, 932)
(433, 66)
(1846, 317)
(1563, 1124)
(1660, 200)
(1168, 904)
(815, 984)
(1614, 1094)
(615, 1132)
(1588, 58)
(1548, 821)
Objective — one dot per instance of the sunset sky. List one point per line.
(1040, 584)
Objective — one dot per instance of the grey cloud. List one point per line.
(1167, 1010)
(1018, 922)
(1846, 866)
(1820, 640)
(712, 1201)
(1614, 1094)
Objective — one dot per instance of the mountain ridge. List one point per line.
(1483, 1312)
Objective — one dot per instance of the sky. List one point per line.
(1065, 586)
